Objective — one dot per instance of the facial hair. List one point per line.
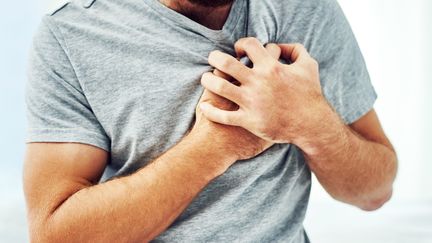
(211, 3)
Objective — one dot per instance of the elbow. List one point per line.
(376, 203)
(43, 230)
(45, 235)
(40, 236)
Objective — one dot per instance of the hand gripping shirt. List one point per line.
(124, 75)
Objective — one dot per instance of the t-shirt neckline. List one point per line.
(179, 19)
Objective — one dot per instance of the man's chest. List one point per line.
(144, 96)
(143, 86)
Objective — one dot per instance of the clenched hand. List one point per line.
(278, 102)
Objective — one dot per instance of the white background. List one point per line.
(395, 37)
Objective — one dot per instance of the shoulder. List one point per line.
(63, 6)
(300, 18)
(298, 12)
(62, 17)
(290, 9)
(70, 13)
(66, 18)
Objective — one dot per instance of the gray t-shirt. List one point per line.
(123, 75)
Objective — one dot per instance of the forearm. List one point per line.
(351, 168)
(137, 207)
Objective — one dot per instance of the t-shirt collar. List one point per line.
(236, 10)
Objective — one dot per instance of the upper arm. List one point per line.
(55, 171)
(369, 127)
(326, 33)
(68, 147)
(58, 109)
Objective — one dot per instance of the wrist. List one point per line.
(326, 131)
(208, 156)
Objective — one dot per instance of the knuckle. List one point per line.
(247, 42)
(220, 74)
(274, 50)
(225, 119)
(226, 63)
(212, 55)
(299, 45)
(219, 87)
(272, 45)
(251, 41)
(247, 98)
(275, 69)
(240, 99)
(205, 78)
(215, 53)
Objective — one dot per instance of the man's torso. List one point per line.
(139, 66)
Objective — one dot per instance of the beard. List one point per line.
(211, 3)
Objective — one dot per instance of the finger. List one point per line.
(296, 53)
(231, 118)
(253, 48)
(208, 96)
(226, 76)
(222, 87)
(229, 65)
(222, 75)
(274, 50)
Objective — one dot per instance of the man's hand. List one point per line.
(234, 139)
(278, 102)
(284, 103)
(66, 204)
(237, 141)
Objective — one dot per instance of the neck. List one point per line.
(211, 17)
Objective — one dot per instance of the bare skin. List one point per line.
(355, 164)
(66, 204)
(212, 17)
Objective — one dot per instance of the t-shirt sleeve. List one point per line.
(343, 73)
(57, 108)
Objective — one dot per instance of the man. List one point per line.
(119, 150)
